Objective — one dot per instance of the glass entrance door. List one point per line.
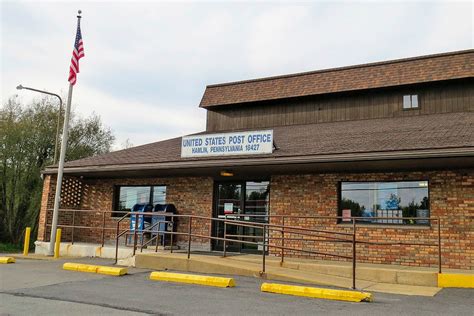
(243, 200)
(255, 210)
(228, 204)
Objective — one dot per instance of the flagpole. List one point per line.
(59, 180)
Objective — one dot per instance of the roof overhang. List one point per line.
(453, 158)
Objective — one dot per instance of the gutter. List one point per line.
(351, 157)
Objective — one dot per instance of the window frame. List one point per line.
(402, 225)
(116, 196)
(411, 107)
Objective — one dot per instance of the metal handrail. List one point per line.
(239, 241)
(316, 235)
(258, 225)
(279, 228)
(97, 212)
(150, 230)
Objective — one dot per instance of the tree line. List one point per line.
(27, 141)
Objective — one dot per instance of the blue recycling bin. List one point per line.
(162, 227)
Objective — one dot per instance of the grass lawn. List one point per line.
(10, 248)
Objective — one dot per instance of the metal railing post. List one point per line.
(116, 242)
(157, 237)
(103, 228)
(263, 258)
(354, 254)
(282, 240)
(163, 239)
(439, 245)
(135, 234)
(141, 240)
(73, 224)
(189, 237)
(225, 237)
(171, 237)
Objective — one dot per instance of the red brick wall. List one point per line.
(46, 211)
(46, 202)
(189, 195)
(451, 198)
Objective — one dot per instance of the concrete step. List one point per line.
(232, 266)
(89, 250)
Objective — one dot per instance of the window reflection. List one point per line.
(229, 198)
(128, 196)
(256, 201)
(385, 199)
(159, 195)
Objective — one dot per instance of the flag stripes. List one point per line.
(77, 54)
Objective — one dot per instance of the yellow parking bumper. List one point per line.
(329, 294)
(7, 260)
(115, 271)
(192, 279)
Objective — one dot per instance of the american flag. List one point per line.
(77, 54)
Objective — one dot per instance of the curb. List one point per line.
(192, 279)
(94, 269)
(455, 280)
(6, 260)
(35, 257)
(329, 294)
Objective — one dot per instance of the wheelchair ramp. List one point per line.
(306, 272)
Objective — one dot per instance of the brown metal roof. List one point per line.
(390, 136)
(446, 66)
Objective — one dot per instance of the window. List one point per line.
(128, 196)
(384, 199)
(410, 101)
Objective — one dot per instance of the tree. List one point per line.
(355, 207)
(88, 137)
(27, 137)
(126, 144)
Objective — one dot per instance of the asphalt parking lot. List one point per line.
(40, 287)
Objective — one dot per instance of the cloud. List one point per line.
(135, 120)
(147, 63)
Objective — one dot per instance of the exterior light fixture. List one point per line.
(56, 145)
(227, 173)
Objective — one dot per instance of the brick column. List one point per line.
(47, 200)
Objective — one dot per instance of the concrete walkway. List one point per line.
(395, 280)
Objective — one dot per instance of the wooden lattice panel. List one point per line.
(71, 192)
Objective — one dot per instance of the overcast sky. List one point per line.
(147, 64)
